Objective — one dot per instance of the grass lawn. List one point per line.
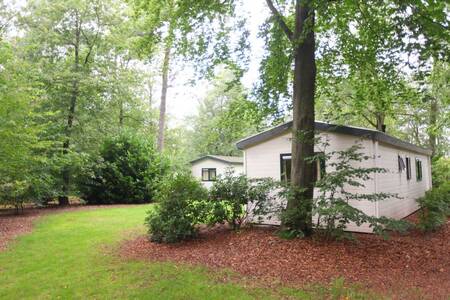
(71, 255)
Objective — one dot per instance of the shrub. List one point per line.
(180, 209)
(127, 171)
(435, 208)
(235, 197)
(331, 206)
(441, 171)
(14, 193)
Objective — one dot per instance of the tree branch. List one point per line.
(280, 20)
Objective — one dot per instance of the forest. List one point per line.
(77, 77)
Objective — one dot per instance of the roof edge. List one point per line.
(215, 158)
(322, 126)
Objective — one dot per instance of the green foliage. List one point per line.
(235, 198)
(225, 116)
(197, 31)
(435, 207)
(290, 234)
(333, 205)
(177, 215)
(14, 194)
(89, 89)
(22, 147)
(127, 171)
(273, 90)
(440, 171)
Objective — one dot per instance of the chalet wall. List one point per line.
(395, 181)
(263, 160)
(221, 169)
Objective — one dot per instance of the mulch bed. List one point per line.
(415, 262)
(13, 225)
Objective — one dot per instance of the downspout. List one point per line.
(375, 177)
(245, 162)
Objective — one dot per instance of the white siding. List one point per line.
(263, 160)
(395, 182)
(221, 169)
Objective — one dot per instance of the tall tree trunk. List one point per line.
(434, 111)
(303, 118)
(64, 198)
(162, 107)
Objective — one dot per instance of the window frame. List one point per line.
(401, 163)
(209, 170)
(419, 169)
(282, 158)
(319, 171)
(408, 167)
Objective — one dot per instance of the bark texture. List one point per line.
(303, 117)
(434, 111)
(162, 107)
(64, 198)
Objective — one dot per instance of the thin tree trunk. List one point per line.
(162, 107)
(121, 114)
(434, 111)
(64, 198)
(380, 122)
(303, 118)
(117, 91)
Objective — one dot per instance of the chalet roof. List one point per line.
(322, 126)
(226, 159)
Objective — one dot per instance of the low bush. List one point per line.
(182, 207)
(235, 197)
(14, 194)
(441, 171)
(435, 208)
(127, 171)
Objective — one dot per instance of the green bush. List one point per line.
(435, 208)
(440, 171)
(233, 198)
(181, 209)
(14, 194)
(332, 204)
(127, 171)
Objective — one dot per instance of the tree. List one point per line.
(303, 48)
(437, 99)
(360, 81)
(21, 157)
(89, 79)
(294, 25)
(191, 30)
(224, 116)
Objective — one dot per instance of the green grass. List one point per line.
(70, 256)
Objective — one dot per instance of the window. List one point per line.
(418, 169)
(208, 174)
(401, 164)
(285, 167)
(408, 168)
(285, 161)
